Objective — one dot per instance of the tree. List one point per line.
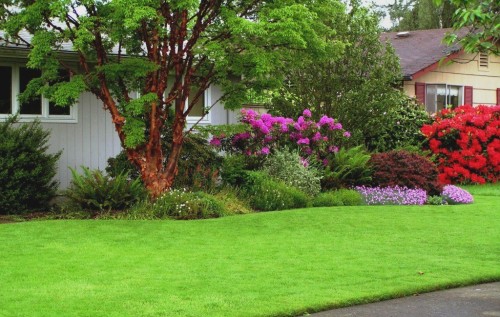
(166, 51)
(482, 19)
(357, 88)
(407, 15)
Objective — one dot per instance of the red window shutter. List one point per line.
(498, 96)
(468, 96)
(420, 92)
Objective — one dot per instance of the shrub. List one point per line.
(347, 168)
(289, 168)
(342, 197)
(394, 195)
(405, 169)
(266, 194)
(402, 130)
(233, 200)
(93, 190)
(466, 141)
(198, 165)
(435, 200)
(26, 169)
(184, 205)
(234, 170)
(264, 134)
(455, 195)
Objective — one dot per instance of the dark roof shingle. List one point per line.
(420, 49)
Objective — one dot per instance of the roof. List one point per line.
(420, 49)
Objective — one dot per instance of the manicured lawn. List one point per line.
(267, 264)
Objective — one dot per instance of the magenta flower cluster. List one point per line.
(456, 195)
(394, 195)
(266, 133)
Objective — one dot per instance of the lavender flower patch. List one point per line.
(456, 195)
(392, 195)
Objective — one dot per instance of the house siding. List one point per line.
(93, 139)
(464, 72)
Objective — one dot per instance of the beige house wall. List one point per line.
(464, 71)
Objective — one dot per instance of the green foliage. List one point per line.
(26, 169)
(407, 15)
(341, 197)
(482, 19)
(435, 200)
(198, 165)
(347, 168)
(267, 194)
(185, 205)
(93, 190)
(402, 129)
(234, 170)
(287, 166)
(357, 88)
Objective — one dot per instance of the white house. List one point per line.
(84, 132)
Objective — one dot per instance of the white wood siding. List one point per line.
(93, 139)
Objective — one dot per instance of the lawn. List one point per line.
(268, 264)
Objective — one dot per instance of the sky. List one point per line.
(385, 22)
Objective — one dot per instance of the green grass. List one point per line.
(268, 264)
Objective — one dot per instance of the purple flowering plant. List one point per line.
(393, 195)
(266, 133)
(455, 195)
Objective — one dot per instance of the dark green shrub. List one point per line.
(347, 168)
(198, 165)
(267, 194)
(234, 170)
(402, 130)
(185, 205)
(286, 166)
(26, 169)
(94, 190)
(405, 169)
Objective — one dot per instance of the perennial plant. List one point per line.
(456, 195)
(392, 195)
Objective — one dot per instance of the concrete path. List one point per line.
(474, 301)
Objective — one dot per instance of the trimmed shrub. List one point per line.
(393, 195)
(342, 197)
(466, 142)
(198, 166)
(347, 168)
(26, 169)
(184, 205)
(267, 194)
(93, 190)
(405, 169)
(403, 128)
(454, 195)
(289, 168)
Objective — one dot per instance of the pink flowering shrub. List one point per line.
(266, 133)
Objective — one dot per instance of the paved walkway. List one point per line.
(474, 301)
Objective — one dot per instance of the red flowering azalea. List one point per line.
(466, 142)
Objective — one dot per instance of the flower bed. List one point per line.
(393, 195)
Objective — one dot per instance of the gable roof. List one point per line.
(421, 50)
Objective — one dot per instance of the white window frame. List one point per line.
(462, 92)
(45, 116)
(207, 102)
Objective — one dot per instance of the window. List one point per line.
(199, 108)
(440, 96)
(14, 80)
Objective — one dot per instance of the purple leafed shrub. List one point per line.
(394, 195)
(456, 195)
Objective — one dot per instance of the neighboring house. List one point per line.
(439, 75)
(84, 132)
